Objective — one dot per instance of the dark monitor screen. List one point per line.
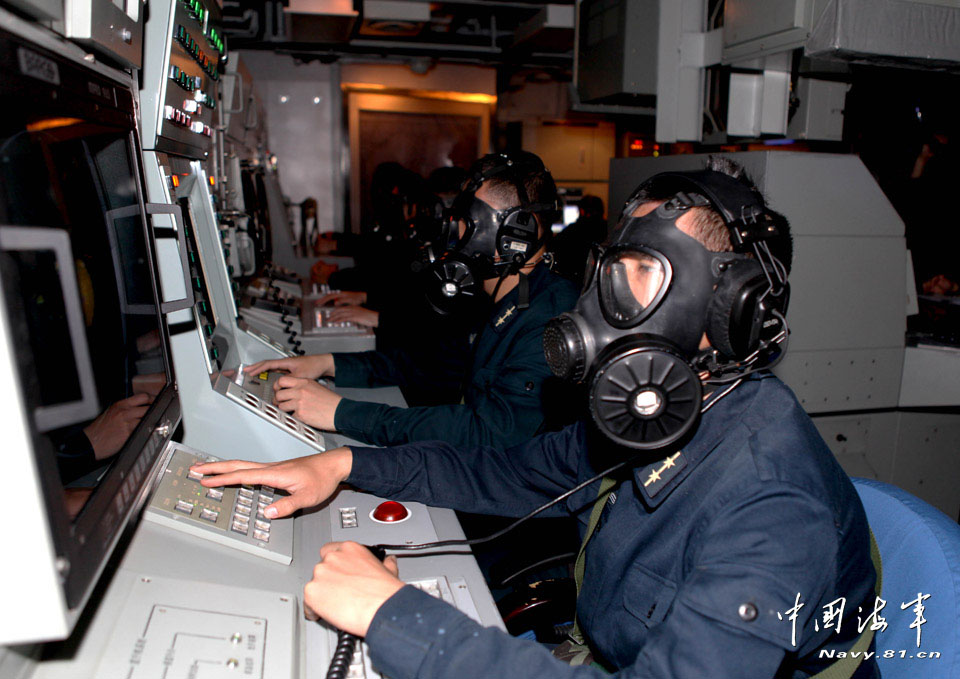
(80, 293)
(45, 312)
(70, 180)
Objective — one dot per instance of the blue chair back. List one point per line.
(920, 549)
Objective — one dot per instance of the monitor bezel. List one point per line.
(39, 238)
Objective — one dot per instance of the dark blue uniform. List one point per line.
(501, 403)
(694, 556)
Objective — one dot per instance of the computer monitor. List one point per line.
(88, 348)
(571, 213)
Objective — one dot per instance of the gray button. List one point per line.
(209, 514)
(245, 501)
(246, 493)
(748, 612)
(215, 494)
(245, 511)
(262, 535)
(185, 507)
(196, 476)
(240, 527)
(262, 525)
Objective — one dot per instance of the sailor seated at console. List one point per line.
(716, 524)
(490, 270)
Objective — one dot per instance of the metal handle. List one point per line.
(239, 87)
(256, 118)
(188, 301)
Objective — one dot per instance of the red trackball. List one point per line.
(390, 511)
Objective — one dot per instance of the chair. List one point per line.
(920, 549)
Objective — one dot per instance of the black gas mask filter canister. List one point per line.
(650, 296)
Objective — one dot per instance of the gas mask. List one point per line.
(650, 296)
(494, 244)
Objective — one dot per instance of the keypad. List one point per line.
(229, 515)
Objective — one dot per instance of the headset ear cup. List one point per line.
(517, 234)
(735, 316)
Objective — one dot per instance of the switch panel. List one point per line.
(179, 628)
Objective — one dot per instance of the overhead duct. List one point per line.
(551, 28)
(394, 17)
(918, 33)
(906, 32)
(321, 21)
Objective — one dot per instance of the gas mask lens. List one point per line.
(631, 284)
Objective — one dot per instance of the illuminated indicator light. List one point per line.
(636, 145)
(213, 181)
(51, 123)
(175, 180)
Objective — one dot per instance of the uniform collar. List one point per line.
(657, 480)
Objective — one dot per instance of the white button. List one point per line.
(185, 507)
(239, 527)
(195, 475)
(262, 535)
(209, 514)
(196, 127)
(190, 105)
(245, 511)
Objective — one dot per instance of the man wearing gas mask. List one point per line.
(487, 268)
(717, 526)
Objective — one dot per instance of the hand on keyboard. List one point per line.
(309, 367)
(308, 401)
(309, 480)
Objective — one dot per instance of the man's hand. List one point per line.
(940, 285)
(307, 367)
(355, 314)
(114, 425)
(343, 298)
(309, 480)
(305, 399)
(349, 585)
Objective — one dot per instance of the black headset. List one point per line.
(516, 238)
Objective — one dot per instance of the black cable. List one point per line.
(504, 531)
(543, 562)
(542, 508)
(342, 655)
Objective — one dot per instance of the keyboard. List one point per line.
(230, 516)
(255, 393)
